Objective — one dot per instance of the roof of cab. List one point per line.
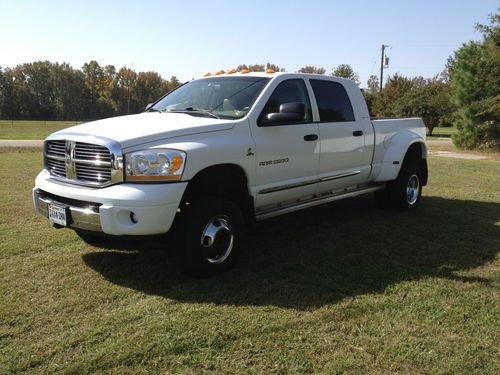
(264, 74)
(276, 74)
(236, 74)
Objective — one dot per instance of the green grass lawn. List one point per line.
(16, 129)
(443, 132)
(343, 288)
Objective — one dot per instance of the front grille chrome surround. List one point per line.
(84, 160)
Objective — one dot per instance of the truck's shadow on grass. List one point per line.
(322, 255)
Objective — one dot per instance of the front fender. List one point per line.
(396, 148)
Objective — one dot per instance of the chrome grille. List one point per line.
(89, 151)
(56, 167)
(55, 163)
(56, 148)
(92, 173)
(99, 170)
(82, 163)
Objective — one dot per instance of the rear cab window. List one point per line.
(333, 102)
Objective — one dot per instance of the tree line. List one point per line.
(53, 91)
(466, 94)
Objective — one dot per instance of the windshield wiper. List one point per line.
(195, 110)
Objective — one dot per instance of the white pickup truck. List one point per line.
(223, 151)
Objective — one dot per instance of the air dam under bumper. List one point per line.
(109, 209)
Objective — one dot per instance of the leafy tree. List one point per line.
(274, 67)
(260, 67)
(431, 102)
(475, 89)
(45, 90)
(70, 92)
(373, 84)
(312, 70)
(147, 88)
(369, 99)
(3, 91)
(40, 84)
(106, 103)
(168, 86)
(385, 103)
(414, 97)
(93, 74)
(345, 71)
(126, 81)
(252, 68)
(445, 75)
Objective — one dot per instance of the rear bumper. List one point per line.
(118, 210)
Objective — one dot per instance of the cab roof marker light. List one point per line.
(244, 71)
(270, 71)
(232, 71)
(219, 72)
(207, 74)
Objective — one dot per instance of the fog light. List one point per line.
(133, 218)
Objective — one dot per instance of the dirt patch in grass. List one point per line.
(446, 148)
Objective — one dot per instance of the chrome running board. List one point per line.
(324, 198)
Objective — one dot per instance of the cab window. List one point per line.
(333, 102)
(289, 91)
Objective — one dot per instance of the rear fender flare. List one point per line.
(396, 148)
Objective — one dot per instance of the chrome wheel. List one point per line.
(217, 239)
(412, 189)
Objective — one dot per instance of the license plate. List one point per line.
(57, 215)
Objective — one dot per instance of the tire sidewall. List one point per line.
(398, 189)
(194, 222)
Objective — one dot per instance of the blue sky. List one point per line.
(188, 38)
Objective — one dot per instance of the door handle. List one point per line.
(357, 133)
(311, 137)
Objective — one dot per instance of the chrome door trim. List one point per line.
(308, 182)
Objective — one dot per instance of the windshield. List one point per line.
(222, 97)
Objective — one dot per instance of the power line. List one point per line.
(415, 67)
(423, 45)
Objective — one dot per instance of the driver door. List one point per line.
(287, 153)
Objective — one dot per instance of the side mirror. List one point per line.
(148, 106)
(289, 113)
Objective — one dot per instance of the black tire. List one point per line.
(405, 192)
(211, 234)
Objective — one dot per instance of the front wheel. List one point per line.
(211, 232)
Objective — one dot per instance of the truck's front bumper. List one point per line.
(123, 209)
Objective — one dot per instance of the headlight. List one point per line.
(155, 165)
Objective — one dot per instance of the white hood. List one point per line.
(148, 127)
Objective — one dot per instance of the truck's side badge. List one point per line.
(270, 162)
(249, 152)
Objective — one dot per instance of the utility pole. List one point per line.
(128, 95)
(382, 66)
